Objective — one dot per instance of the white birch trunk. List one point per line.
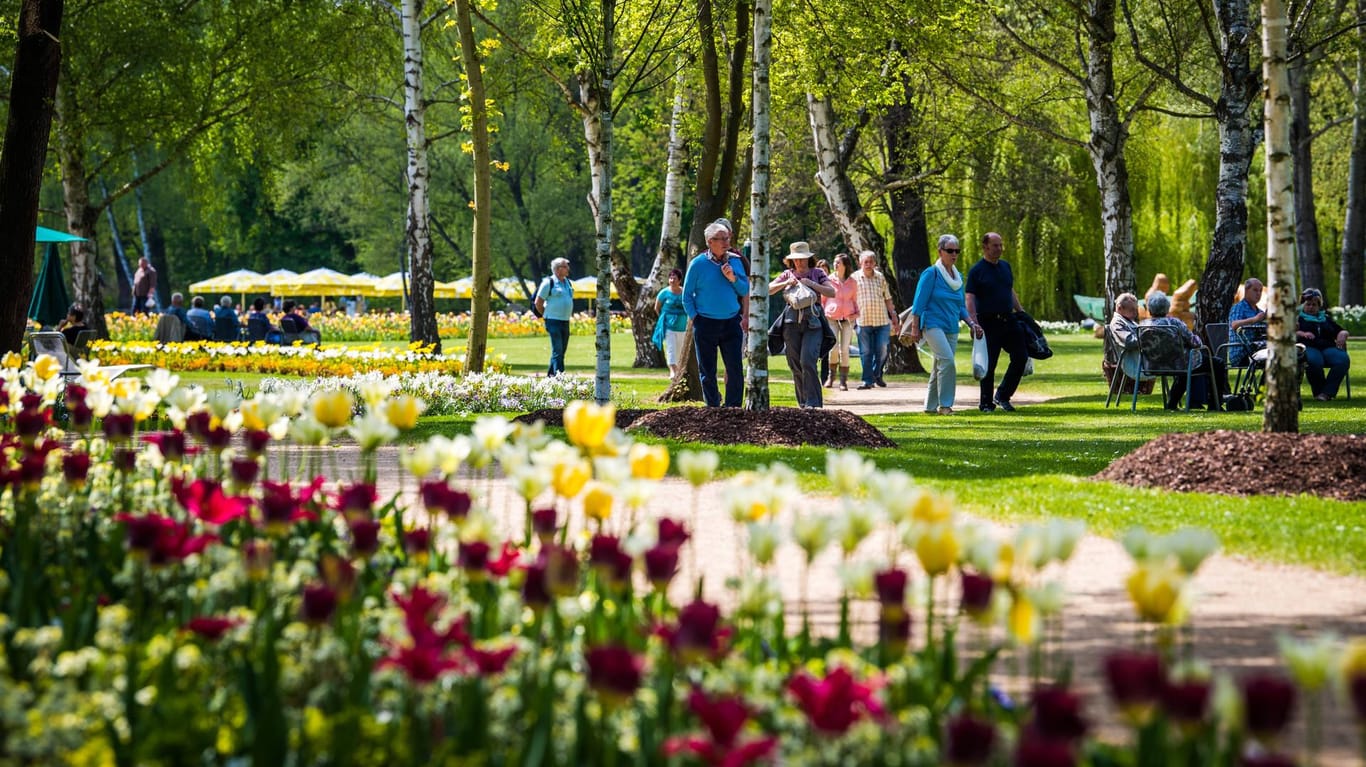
(422, 310)
(833, 179)
(80, 216)
(1352, 287)
(671, 223)
(1282, 389)
(597, 131)
(756, 377)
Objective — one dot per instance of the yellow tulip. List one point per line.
(1155, 589)
(12, 360)
(597, 501)
(931, 508)
(1023, 620)
(569, 478)
(46, 366)
(403, 411)
(333, 408)
(251, 416)
(587, 424)
(1354, 659)
(938, 549)
(649, 461)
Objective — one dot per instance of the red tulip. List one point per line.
(125, 459)
(421, 663)
(211, 627)
(204, 499)
(280, 506)
(161, 540)
(507, 557)
(417, 542)
(723, 717)
(171, 444)
(356, 500)
(197, 424)
(835, 703)
(697, 636)
(489, 662)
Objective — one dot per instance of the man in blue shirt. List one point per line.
(198, 320)
(992, 301)
(712, 293)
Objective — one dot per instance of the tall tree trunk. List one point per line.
(716, 169)
(1352, 287)
(1237, 143)
(906, 205)
(595, 93)
(1308, 252)
(122, 273)
(483, 203)
(756, 374)
(33, 86)
(422, 309)
(668, 255)
(81, 216)
(1282, 391)
(1106, 147)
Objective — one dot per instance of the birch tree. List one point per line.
(417, 228)
(1352, 286)
(1282, 392)
(33, 84)
(756, 373)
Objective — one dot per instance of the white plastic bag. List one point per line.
(1029, 368)
(979, 358)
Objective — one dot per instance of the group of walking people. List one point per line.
(824, 311)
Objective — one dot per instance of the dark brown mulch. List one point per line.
(777, 426)
(1240, 463)
(555, 416)
(730, 426)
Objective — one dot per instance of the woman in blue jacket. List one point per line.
(935, 313)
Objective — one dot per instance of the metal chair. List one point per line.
(1163, 353)
(81, 348)
(53, 344)
(257, 329)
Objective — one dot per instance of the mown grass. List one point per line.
(1035, 463)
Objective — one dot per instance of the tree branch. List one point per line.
(565, 90)
(1037, 53)
(1331, 125)
(1006, 113)
(1157, 69)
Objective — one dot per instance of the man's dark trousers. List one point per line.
(710, 336)
(1000, 333)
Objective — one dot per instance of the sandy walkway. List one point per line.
(1242, 605)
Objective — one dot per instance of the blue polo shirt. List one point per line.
(559, 298)
(936, 304)
(708, 293)
(993, 285)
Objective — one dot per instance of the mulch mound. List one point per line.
(730, 426)
(1242, 463)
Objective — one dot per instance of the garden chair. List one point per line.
(1163, 353)
(289, 330)
(54, 343)
(82, 346)
(257, 329)
(224, 329)
(170, 330)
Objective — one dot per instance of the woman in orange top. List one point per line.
(842, 311)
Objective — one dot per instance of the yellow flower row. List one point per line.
(386, 326)
(287, 360)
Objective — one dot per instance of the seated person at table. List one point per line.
(225, 320)
(1124, 332)
(198, 321)
(1246, 321)
(295, 320)
(73, 324)
(1158, 307)
(1325, 346)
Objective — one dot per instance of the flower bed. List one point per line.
(167, 600)
(1351, 318)
(451, 395)
(387, 326)
(309, 361)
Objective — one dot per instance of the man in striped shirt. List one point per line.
(877, 319)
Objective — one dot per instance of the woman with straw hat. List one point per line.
(803, 286)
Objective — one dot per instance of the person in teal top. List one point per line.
(935, 314)
(555, 303)
(673, 320)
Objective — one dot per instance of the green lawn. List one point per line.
(1035, 463)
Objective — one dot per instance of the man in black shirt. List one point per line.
(991, 302)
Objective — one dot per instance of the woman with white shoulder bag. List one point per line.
(803, 286)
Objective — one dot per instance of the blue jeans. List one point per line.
(872, 347)
(1335, 360)
(559, 341)
(710, 336)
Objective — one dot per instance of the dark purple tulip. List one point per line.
(76, 467)
(894, 630)
(697, 632)
(81, 416)
(968, 741)
(418, 541)
(1266, 759)
(891, 587)
(661, 564)
(1268, 700)
(319, 603)
(977, 591)
(545, 523)
(356, 500)
(28, 424)
(1135, 679)
(535, 590)
(1186, 701)
(255, 441)
(439, 496)
(170, 443)
(364, 536)
(244, 470)
(561, 570)
(118, 427)
(125, 459)
(1356, 690)
(75, 395)
(672, 532)
(197, 424)
(1057, 713)
(606, 556)
(613, 672)
(1035, 750)
(473, 557)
